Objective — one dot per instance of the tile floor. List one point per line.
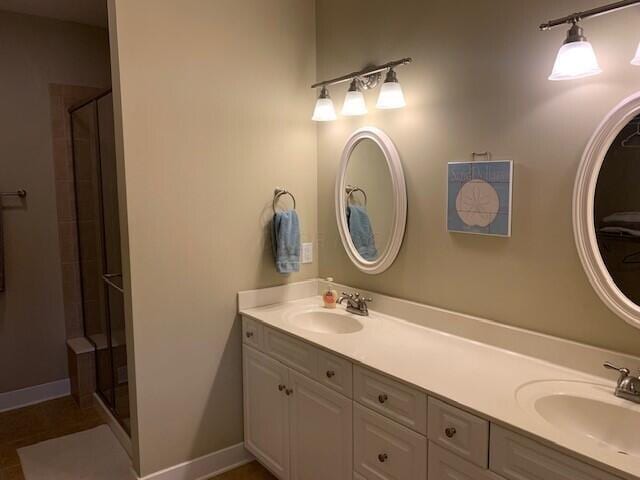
(36, 423)
(251, 471)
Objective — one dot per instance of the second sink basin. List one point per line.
(320, 321)
(586, 410)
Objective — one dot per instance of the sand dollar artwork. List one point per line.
(477, 203)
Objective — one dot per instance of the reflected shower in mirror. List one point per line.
(617, 210)
(369, 199)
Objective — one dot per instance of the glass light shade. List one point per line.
(636, 58)
(324, 111)
(575, 60)
(391, 96)
(354, 104)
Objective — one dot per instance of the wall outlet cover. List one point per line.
(307, 253)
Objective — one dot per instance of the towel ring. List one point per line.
(279, 192)
(351, 189)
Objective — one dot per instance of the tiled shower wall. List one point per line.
(62, 97)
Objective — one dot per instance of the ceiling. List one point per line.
(88, 12)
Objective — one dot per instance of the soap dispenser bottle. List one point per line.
(330, 297)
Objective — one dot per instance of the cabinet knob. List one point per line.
(249, 334)
(383, 397)
(331, 374)
(383, 457)
(289, 391)
(281, 387)
(450, 432)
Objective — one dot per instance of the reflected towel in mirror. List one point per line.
(285, 241)
(361, 232)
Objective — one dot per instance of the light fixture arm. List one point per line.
(594, 12)
(367, 71)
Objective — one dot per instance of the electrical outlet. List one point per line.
(307, 253)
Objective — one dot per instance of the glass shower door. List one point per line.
(100, 250)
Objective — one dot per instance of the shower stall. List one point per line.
(99, 249)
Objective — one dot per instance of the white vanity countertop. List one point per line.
(478, 377)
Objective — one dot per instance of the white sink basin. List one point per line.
(586, 410)
(320, 321)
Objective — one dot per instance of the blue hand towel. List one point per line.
(285, 240)
(361, 232)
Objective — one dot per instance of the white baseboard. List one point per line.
(207, 466)
(36, 394)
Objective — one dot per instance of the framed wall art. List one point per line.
(479, 197)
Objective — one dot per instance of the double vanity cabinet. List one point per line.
(310, 414)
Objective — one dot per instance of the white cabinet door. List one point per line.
(266, 410)
(321, 431)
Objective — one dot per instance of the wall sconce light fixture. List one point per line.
(324, 111)
(354, 100)
(391, 95)
(576, 57)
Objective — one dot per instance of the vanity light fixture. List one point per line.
(576, 58)
(324, 111)
(391, 95)
(354, 101)
(636, 58)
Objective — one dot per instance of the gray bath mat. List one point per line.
(93, 454)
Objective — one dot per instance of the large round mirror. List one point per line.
(371, 200)
(607, 210)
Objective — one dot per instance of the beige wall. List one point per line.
(478, 82)
(214, 104)
(36, 52)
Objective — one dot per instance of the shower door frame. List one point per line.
(106, 285)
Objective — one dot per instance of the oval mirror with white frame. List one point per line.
(371, 200)
(606, 210)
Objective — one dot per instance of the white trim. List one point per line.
(36, 394)
(583, 208)
(123, 438)
(399, 222)
(206, 466)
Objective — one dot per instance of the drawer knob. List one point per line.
(383, 397)
(450, 432)
(383, 457)
(331, 374)
(249, 334)
(289, 391)
(281, 387)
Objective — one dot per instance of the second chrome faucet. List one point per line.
(628, 385)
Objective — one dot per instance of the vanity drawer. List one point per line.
(336, 373)
(518, 458)
(252, 332)
(459, 431)
(444, 465)
(393, 399)
(384, 450)
(294, 353)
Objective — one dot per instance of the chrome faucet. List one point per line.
(355, 303)
(628, 385)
